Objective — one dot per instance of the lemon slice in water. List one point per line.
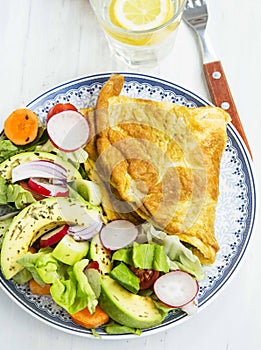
(140, 15)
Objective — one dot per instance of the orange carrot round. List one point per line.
(35, 288)
(85, 319)
(21, 127)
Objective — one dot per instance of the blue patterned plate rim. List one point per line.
(237, 179)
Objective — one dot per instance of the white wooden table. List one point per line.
(46, 42)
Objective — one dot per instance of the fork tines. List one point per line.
(195, 3)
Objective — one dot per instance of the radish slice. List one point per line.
(118, 234)
(54, 236)
(81, 233)
(176, 288)
(39, 168)
(68, 130)
(46, 189)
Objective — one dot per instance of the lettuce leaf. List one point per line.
(70, 287)
(124, 255)
(94, 278)
(115, 328)
(63, 293)
(47, 268)
(179, 256)
(16, 194)
(42, 265)
(19, 196)
(22, 277)
(7, 150)
(74, 293)
(143, 256)
(84, 290)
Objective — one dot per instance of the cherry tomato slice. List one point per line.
(146, 277)
(93, 265)
(60, 107)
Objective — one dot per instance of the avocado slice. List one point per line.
(128, 309)
(10, 163)
(69, 251)
(125, 277)
(89, 190)
(100, 254)
(35, 220)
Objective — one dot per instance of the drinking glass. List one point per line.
(139, 47)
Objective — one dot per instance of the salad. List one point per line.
(55, 237)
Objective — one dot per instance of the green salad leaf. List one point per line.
(70, 287)
(7, 150)
(16, 194)
(64, 293)
(179, 256)
(143, 256)
(48, 268)
(22, 276)
(19, 196)
(94, 278)
(116, 328)
(84, 289)
(42, 265)
(75, 292)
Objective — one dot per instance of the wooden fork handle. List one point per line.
(221, 95)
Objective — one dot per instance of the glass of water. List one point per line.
(139, 33)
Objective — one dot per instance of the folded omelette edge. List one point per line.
(158, 162)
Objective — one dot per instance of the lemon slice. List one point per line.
(140, 14)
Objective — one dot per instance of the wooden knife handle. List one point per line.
(221, 95)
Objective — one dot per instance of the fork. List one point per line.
(196, 16)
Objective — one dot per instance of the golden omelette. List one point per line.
(158, 162)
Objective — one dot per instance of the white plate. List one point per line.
(235, 211)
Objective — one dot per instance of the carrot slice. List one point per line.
(85, 319)
(21, 127)
(35, 288)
